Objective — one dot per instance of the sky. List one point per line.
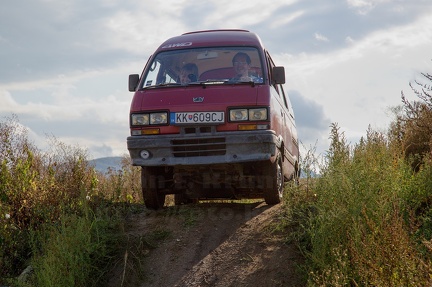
(64, 65)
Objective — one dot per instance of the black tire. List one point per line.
(153, 198)
(274, 183)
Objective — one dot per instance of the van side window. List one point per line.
(270, 65)
(158, 74)
(283, 96)
(287, 103)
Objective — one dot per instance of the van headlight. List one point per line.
(255, 114)
(140, 119)
(258, 114)
(158, 118)
(238, 115)
(145, 119)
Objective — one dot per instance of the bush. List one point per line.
(413, 127)
(54, 214)
(365, 229)
(121, 185)
(74, 252)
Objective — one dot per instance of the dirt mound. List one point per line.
(208, 244)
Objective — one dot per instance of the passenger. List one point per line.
(242, 65)
(188, 73)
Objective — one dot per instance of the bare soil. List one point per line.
(208, 244)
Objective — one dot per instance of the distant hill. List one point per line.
(102, 164)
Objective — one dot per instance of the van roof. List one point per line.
(227, 37)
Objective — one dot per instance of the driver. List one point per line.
(242, 65)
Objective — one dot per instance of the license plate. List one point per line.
(197, 118)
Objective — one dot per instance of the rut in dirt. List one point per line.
(214, 244)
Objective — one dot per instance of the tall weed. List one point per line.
(121, 185)
(361, 232)
(53, 213)
(73, 252)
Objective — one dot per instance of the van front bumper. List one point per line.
(214, 148)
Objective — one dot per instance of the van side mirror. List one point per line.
(133, 82)
(278, 74)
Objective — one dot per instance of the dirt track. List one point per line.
(207, 244)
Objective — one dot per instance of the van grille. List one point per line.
(198, 147)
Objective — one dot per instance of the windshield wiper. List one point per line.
(168, 84)
(235, 81)
(161, 85)
(208, 82)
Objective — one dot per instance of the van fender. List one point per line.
(287, 158)
(285, 153)
(279, 149)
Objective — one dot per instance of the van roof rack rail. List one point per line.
(217, 30)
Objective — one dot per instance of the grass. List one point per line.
(365, 221)
(57, 214)
(70, 252)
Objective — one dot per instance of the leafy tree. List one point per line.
(413, 126)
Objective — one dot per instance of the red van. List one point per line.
(210, 119)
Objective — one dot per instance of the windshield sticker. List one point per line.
(149, 83)
(185, 44)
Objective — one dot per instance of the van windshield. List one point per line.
(204, 65)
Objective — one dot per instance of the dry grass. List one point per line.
(367, 224)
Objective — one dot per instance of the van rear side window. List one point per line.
(210, 65)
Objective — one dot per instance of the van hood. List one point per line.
(197, 98)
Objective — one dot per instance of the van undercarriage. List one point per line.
(234, 181)
(221, 181)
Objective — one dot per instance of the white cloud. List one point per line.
(237, 14)
(285, 19)
(60, 101)
(392, 44)
(133, 31)
(359, 3)
(8, 103)
(365, 6)
(349, 40)
(321, 37)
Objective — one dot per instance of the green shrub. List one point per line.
(54, 213)
(121, 185)
(413, 126)
(74, 252)
(362, 231)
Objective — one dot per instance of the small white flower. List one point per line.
(7, 215)
(88, 197)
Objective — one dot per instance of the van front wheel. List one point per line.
(150, 184)
(274, 183)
